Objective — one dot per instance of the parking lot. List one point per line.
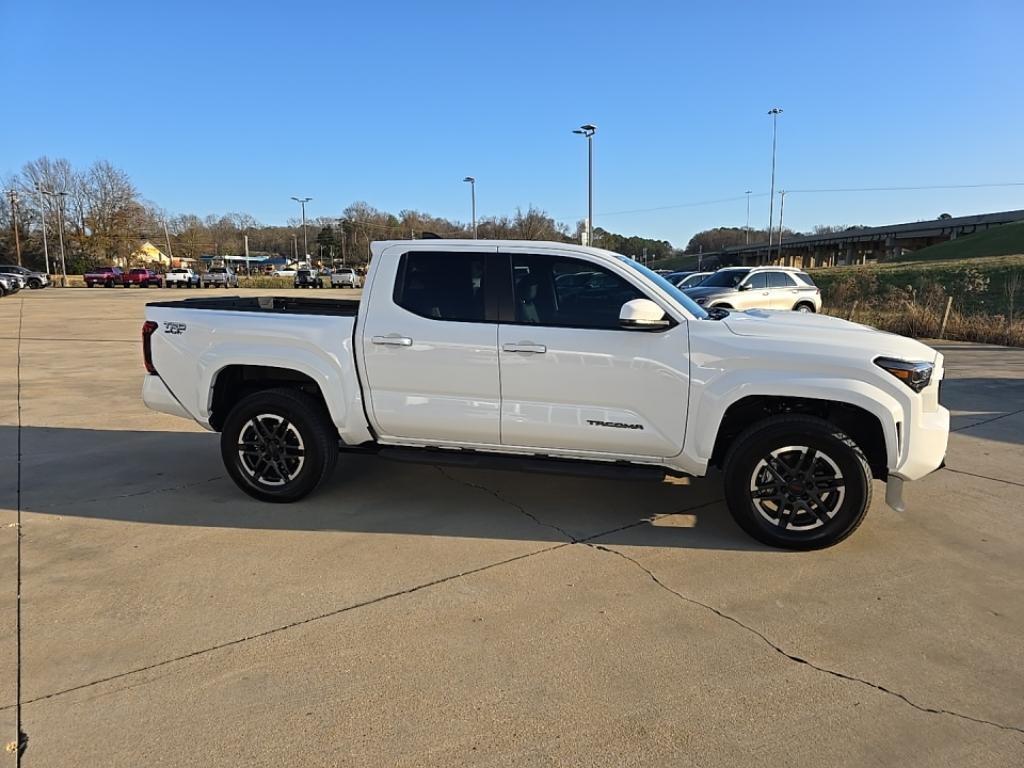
(410, 614)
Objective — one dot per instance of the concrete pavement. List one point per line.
(420, 615)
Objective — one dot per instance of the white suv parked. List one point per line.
(745, 288)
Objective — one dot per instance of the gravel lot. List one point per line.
(417, 615)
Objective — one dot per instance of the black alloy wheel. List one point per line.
(279, 444)
(797, 482)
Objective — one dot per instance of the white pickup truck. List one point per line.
(478, 350)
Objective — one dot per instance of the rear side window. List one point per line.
(804, 278)
(442, 286)
(779, 280)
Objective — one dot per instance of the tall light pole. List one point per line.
(747, 227)
(472, 191)
(774, 112)
(42, 217)
(305, 244)
(588, 130)
(782, 209)
(60, 221)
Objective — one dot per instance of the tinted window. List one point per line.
(442, 286)
(758, 281)
(568, 293)
(779, 280)
(725, 279)
(803, 277)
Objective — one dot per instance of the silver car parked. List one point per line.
(745, 288)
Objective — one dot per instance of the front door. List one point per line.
(430, 348)
(571, 378)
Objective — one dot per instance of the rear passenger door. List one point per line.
(782, 290)
(430, 348)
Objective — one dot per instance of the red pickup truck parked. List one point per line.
(105, 276)
(144, 278)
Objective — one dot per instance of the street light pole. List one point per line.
(60, 221)
(42, 217)
(472, 192)
(747, 227)
(305, 244)
(782, 208)
(774, 112)
(588, 130)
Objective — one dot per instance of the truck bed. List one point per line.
(285, 305)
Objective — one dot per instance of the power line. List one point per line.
(822, 191)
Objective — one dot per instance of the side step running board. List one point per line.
(547, 466)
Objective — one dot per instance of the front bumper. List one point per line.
(924, 445)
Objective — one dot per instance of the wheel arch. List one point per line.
(863, 424)
(235, 381)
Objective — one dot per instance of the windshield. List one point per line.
(681, 298)
(727, 278)
(218, 271)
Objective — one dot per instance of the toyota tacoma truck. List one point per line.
(484, 351)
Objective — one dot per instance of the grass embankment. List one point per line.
(1004, 240)
(910, 298)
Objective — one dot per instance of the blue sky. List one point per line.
(235, 106)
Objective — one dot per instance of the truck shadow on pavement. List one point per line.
(176, 478)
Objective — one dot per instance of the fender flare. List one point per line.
(710, 409)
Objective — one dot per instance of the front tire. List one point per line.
(797, 482)
(279, 444)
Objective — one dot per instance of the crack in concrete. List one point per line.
(289, 625)
(987, 421)
(798, 659)
(571, 539)
(984, 477)
(136, 494)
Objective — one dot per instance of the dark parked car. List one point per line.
(308, 278)
(33, 279)
(144, 278)
(108, 277)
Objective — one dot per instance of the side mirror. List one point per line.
(743, 287)
(642, 315)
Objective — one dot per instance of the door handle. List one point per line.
(536, 349)
(392, 341)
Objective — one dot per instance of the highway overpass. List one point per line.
(858, 246)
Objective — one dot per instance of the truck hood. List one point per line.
(823, 329)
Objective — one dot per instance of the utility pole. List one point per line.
(774, 112)
(295, 247)
(14, 223)
(42, 218)
(747, 227)
(167, 237)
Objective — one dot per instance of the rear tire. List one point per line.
(797, 482)
(806, 308)
(278, 445)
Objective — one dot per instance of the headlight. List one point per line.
(915, 375)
